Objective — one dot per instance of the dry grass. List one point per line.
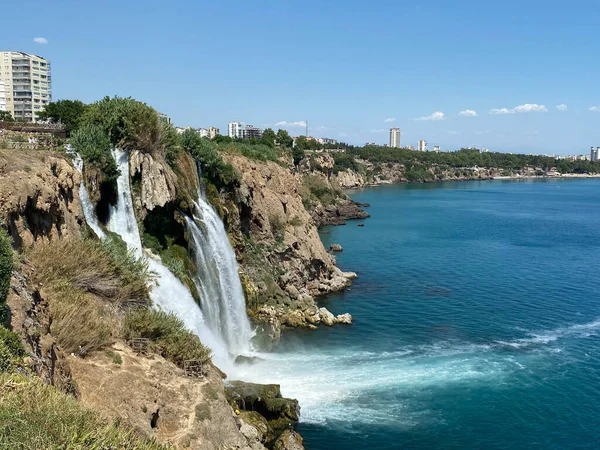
(86, 283)
(34, 415)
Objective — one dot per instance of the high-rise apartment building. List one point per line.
(395, 137)
(594, 154)
(422, 147)
(27, 85)
(213, 132)
(234, 130)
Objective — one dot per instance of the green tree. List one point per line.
(297, 154)
(284, 139)
(6, 117)
(268, 137)
(67, 112)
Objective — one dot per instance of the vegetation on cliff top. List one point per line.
(34, 415)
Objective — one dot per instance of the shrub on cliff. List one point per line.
(92, 143)
(11, 350)
(217, 171)
(167, 333)
(6, 266)
(133, 125)
(84, 282)
(35, 415)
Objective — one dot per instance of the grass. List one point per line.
(34, 415)
(114, 357)
(167, 333)
(86, 283)
(11, 350)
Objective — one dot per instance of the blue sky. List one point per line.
(345, 67)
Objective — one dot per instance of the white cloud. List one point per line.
(40, 40)
(527, 107)
(322, 128)
(562, 107)
(530, 107)
(468, 113)
(300, 123)
(438, 115)
(497, 111)
(377, 130)
(390, 119)
(453, 132)
(595, 108)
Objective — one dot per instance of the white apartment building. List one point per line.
(395, 134)
(234, 130)
(324, 141)
(27, 85)
(422, 147)
(213, 132)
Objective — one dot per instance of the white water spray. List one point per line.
(217, 279)
(170, 294)
(88, 208)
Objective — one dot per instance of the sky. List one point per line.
(518, 76)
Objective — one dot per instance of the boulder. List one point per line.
(289, 440)
(344, 318)
(336, 248)
(326, 317)
(259, 423)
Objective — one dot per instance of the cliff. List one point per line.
(39, 198)
(283, 263)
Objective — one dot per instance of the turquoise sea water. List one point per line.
(477, 322)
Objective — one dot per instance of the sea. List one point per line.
(476, 322)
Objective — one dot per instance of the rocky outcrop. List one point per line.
(348, 179)
(336, 248)
(283, 261)
(338, 213)
(263, 400)
(156, 398)
(157, 181)
(39, 198)
(289, 440)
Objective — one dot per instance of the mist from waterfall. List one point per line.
(169, 293)
(217, 278)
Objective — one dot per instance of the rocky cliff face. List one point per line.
(284, 264)
(39, 198)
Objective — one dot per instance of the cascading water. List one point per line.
(170, 294)
(88, 208)
(217, 279)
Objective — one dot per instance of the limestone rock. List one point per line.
(344, 318)
(336, 248)
(39, 197)
(289, 440)
(326, 317)
(157, 180)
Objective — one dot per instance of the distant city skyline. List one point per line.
(487, 77)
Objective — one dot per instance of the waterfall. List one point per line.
(170, 294)
(217, 279)
(88, 208)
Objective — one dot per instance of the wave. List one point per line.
(343, 386)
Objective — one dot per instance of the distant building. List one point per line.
(250, 132)
(411, 147)
(26, 85)
(213, 132)
(203, 132)
(436, 148)
(324, 141)
(161, 116)
(395, 137)
(594, 154)
(234, 130)
(369, 143)
(422, 147)
(180, 130)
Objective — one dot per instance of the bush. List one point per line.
(11, 350)
(217, 171)
(167, 333)
(34, 415)
(105, 268)
(85, 281)
(93, 144)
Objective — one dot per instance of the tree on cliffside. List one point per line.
(67, 112)
(6, 117)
